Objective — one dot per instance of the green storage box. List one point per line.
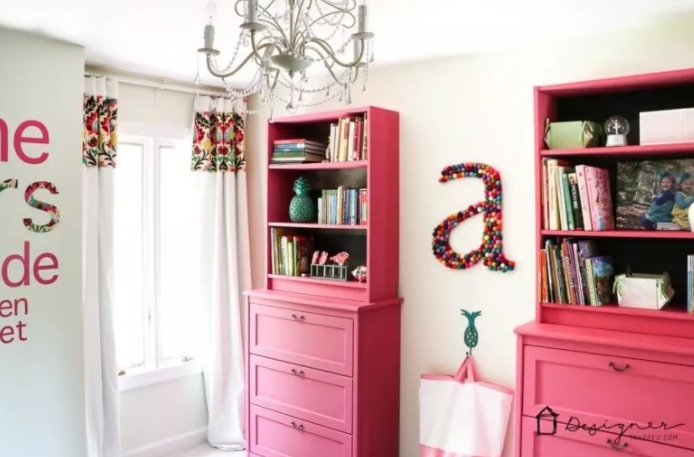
(572, 134)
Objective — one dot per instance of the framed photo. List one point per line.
(654, 194)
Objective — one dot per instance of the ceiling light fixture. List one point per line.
(285, 40)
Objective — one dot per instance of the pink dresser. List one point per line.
(594, 392)
(323, 376)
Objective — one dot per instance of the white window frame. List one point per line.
(155, 369)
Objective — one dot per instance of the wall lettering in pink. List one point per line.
(22, 136)
(43, 269)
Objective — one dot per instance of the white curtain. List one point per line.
(101, 375)
(218, 160)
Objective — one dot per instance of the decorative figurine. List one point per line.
(471, 336)
(359, 273)
(340, 258)
(304, 260)
(323, 258)
(617, 129)
(301, 208)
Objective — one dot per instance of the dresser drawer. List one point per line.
(610, 392)
(278, 435)
(568, 442)
(313, 340)
(313, 395)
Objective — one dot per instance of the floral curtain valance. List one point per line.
(100, 123)
(219, 137)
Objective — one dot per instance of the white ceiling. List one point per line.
(160, 37)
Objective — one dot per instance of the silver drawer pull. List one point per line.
(616, 446)
(618, 368)
(297, 426)
(297, 318)
(297, 373)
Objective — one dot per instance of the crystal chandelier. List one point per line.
(285, 40)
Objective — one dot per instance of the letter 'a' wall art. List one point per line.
(491, 251)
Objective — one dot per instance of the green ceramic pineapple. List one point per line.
(301, 208)
(471, 337)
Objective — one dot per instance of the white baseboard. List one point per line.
(170, 445)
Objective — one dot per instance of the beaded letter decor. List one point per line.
(491, 250)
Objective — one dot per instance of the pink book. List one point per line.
(598, 183)
(583, 196)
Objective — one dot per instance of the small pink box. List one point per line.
(667, 126)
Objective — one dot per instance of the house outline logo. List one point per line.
(544, 418)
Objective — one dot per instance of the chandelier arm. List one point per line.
(294, 30)
(333, 13)
(328, 49)
(230, 72)
(332, 73)
(254, 53)
(326, 65)
(270, 21)
(350, 5)
(256, 47)
(274, 41)
(274, 83)
(236, 7)
(355, 74)
(324, 16)
(281, 41)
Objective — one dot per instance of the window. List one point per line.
(156, 293)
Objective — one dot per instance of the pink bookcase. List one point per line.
(609, 366)
(323, 355)
(380, 172)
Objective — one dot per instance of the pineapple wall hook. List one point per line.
(471, 337)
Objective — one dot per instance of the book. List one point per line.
(348, 139)
(576, 197)
(572, 273)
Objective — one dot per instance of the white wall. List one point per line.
(41, 348)
(175, 410)
(473, 108)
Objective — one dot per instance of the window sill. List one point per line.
(149, 378)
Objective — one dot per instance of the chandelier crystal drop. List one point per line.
(286, 41)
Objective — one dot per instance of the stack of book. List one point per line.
(287, 250)
(348, 139)
(576, 197)
(572, 273)
(297, 150)
(343, 206)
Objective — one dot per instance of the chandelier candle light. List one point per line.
(287, 39)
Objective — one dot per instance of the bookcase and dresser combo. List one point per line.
(607, 366)
(323, 335)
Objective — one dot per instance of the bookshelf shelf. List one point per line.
(674, 311)
(646, 234)
(319, 226)
(326, 282)
(623, 151)
(348, 165)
